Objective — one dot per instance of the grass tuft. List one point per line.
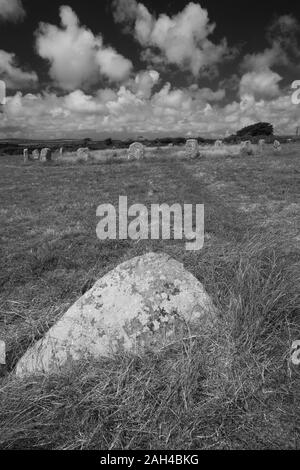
(228, 388)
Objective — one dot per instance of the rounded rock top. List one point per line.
(141, 304)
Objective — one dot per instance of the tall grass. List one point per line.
(229, 388)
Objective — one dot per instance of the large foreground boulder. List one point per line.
(139, 305)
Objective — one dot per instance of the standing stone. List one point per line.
(36, 155)
(192, 148)
(46, 155)
(246, 148)
(261, 145)
(61, 151)
(295, 358)
(2, 358)
(136, 151)
(83, 153)
(25, 155)
(142, 304)
(277, 146)
(218, 143)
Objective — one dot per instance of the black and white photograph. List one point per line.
(149, 229)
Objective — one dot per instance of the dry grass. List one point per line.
(232, 388)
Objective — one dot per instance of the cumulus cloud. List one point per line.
(124, 11)
(207, 94)
(11, 10)
(266, 59)
(144, 104)
(260, 79)
(260, 84)
(283, 35)
(12, 74)
(284, 31)
(181, 39)
(78, 58)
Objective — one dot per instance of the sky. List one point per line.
(152, 68)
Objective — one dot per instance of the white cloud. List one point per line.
(144, 104)
(266, 59)
(206, 94)
(181, 39)
(167, 99)
(260, 79)
(11, 10)
(284, 32)
(80, 103)
(77, 57)
(12, 74)
(260, 84)
(141, 107)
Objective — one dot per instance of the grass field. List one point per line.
(234, 388)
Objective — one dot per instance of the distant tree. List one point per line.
(258, 129)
